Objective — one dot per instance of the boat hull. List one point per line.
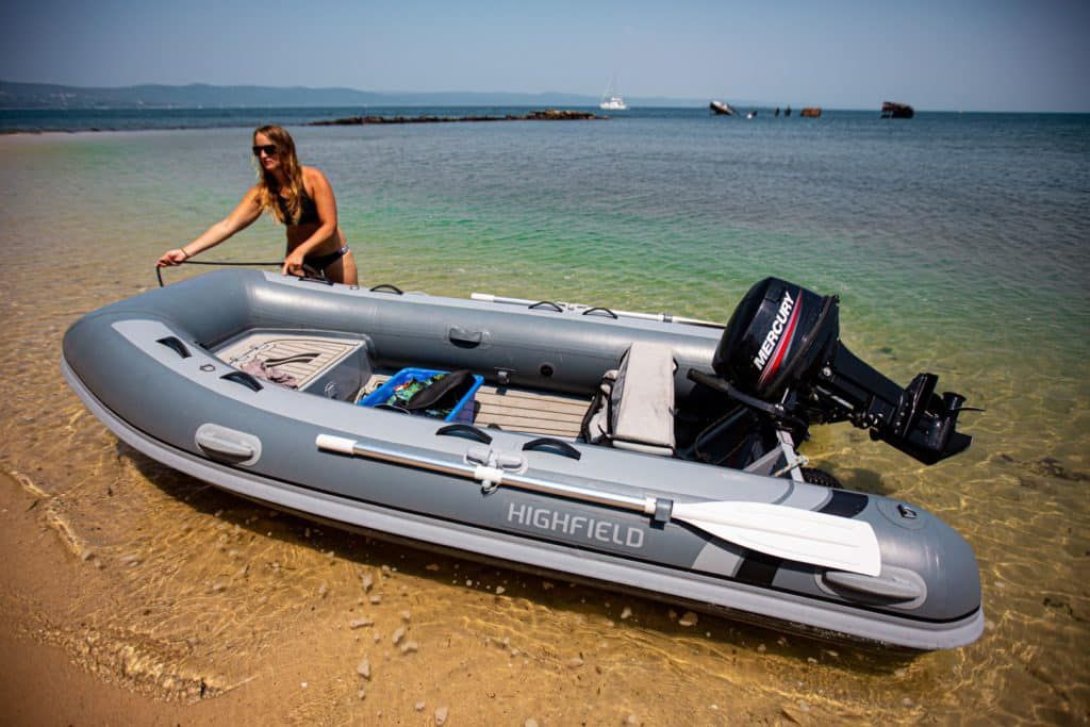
(185, 407)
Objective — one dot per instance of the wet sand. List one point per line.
(39, 682)
(360, 642)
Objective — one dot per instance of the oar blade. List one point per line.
(788, 532)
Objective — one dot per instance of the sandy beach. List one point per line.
(368, 645)
(39, 682)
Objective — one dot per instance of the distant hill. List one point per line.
(198, 95)
(52, 96)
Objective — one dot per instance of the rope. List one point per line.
(159, 270)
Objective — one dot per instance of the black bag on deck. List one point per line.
(444, 393)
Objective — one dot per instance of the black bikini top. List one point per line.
(308, 210)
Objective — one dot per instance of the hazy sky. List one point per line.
(1019, 55)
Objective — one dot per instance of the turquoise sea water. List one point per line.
(957, 243)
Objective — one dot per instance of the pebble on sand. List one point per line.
(359, 623)
(364, 669)
(441, 714)
(688, 619)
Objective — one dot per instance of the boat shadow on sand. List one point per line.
(716, 635)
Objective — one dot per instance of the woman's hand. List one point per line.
(177, 256)
(293, 264)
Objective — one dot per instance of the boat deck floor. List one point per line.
(307, 357)
(520, 410)
(304, 358)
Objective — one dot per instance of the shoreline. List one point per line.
(40, 683)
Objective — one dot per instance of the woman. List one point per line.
(298, 196)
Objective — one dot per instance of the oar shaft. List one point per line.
(482, 473)
(661, 317)
(645, 505)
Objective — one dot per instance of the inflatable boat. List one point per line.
(638, 452)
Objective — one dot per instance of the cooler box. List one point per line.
(461, 412)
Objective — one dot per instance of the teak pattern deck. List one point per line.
(519, 410)
(508, 408)
(306, 357)
(528, 411)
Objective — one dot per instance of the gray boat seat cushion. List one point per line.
(636, 407)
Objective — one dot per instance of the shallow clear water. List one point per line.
(956, 243)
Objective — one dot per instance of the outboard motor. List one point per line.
(781, 353)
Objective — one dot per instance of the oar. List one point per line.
(785, 532)
(790, 533)
(579, 307)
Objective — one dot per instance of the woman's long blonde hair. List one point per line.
(270, 193)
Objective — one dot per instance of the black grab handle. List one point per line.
(598, 311)
(466, 430)
(241, 377)
(546, 303)
(175, 344)
(306, 277)
(387, 288)
(555, 445)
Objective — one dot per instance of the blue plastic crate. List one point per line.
(462, 412)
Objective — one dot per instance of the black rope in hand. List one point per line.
(159, 270)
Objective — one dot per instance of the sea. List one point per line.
(956, 242)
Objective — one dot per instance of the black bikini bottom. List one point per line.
(321, 262)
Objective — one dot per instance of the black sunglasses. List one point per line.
(269, 149)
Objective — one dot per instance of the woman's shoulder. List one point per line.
(314, 178)
(311, 174)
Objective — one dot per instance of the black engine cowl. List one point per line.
(782, 346)
(780, 334)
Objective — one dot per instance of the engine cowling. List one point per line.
(782, 346)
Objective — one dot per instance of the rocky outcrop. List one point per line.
(545, 115)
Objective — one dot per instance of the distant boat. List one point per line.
(811, 112)
(894, 110)
(611, 100)
(751, 115)
(613, 103)
(721, 108)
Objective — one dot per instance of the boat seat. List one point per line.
(634, 406)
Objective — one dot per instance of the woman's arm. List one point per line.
(321, 192)
(241, 217)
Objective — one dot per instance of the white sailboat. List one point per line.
(613, 103)
(611, 100)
